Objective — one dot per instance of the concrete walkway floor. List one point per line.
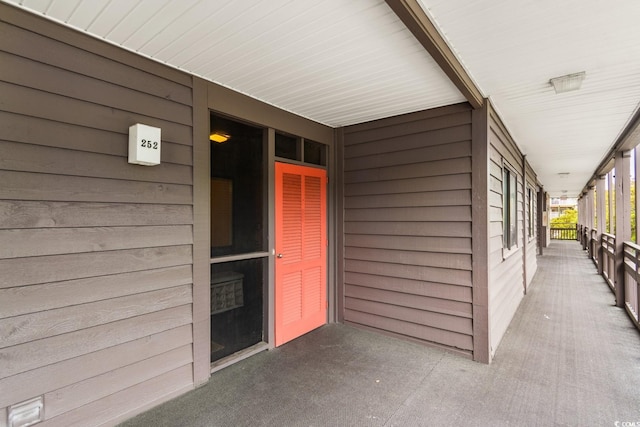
(569, 358)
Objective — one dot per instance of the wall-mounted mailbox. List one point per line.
(144, 145)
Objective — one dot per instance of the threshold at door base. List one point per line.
(238, 356)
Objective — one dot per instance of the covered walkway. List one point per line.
(570, 357)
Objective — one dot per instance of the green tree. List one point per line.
(567, 220)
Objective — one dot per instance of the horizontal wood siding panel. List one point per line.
(44, 214)
(437, 305)
(495, 230)
(65, 373)
(382, 124)
(96, 295)
(407, 225)
(532, 241)
(500, 138)
(414, 272)
(441, 134)
(506, 287)
(35, 158)
(409, 286)
(416, 170)
(30, 327)
(532, 262)
(31, 355)
(32, 102)
(30, 299)
(425, 259)
(435, 183)
(54, 241)
(48, 133)
(508, 303)
(448, 245)
(438, 152)
(495, 168)
(30, 186)
(419, 316)
(399, 228)
(55, 268)
(412, 214)
(412, 330)
(495, 215)
(70, 397)
(114, 406)
(495, 200)
(25, 72)
(418, 199)
(48, 50)
(495, 185)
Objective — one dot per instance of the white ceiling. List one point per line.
(341, 62)
(512, 49)
(337, 62)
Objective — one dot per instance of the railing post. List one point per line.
(623, 219)
(600, 255)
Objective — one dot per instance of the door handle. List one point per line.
(279, 255)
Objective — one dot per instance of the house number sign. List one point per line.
(144, 145)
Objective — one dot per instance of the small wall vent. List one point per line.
(26, 413)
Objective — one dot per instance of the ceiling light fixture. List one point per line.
(568, 83)
(219, 137)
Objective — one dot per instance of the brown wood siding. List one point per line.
(407, 225)
(506, 268)
(96, 258)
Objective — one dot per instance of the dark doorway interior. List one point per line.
(238, 230)
(236, 295)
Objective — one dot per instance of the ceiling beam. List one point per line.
(417, 21)
(628, 139)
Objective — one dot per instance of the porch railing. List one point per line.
(584, 237)
(608, 243)
(593, 246)
(602, 251)
(566, 231)
(632, 280)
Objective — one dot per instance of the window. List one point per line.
(237, 189)
(300, 150)
(509, 209)
(532, 212)
(287, 147)
(315, 153)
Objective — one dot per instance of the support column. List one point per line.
(585, 220)
(581, 209)
(525, 223)
(590, 223)
(601, 225)
(591, 196)
(201, 236)
(623, 218)
(541, 214)
(611, 226)
(580, 225)
(480, 233)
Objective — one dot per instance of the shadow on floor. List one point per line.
(570, 357)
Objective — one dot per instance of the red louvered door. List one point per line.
(301, 251)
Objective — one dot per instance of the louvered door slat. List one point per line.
(301, 278)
